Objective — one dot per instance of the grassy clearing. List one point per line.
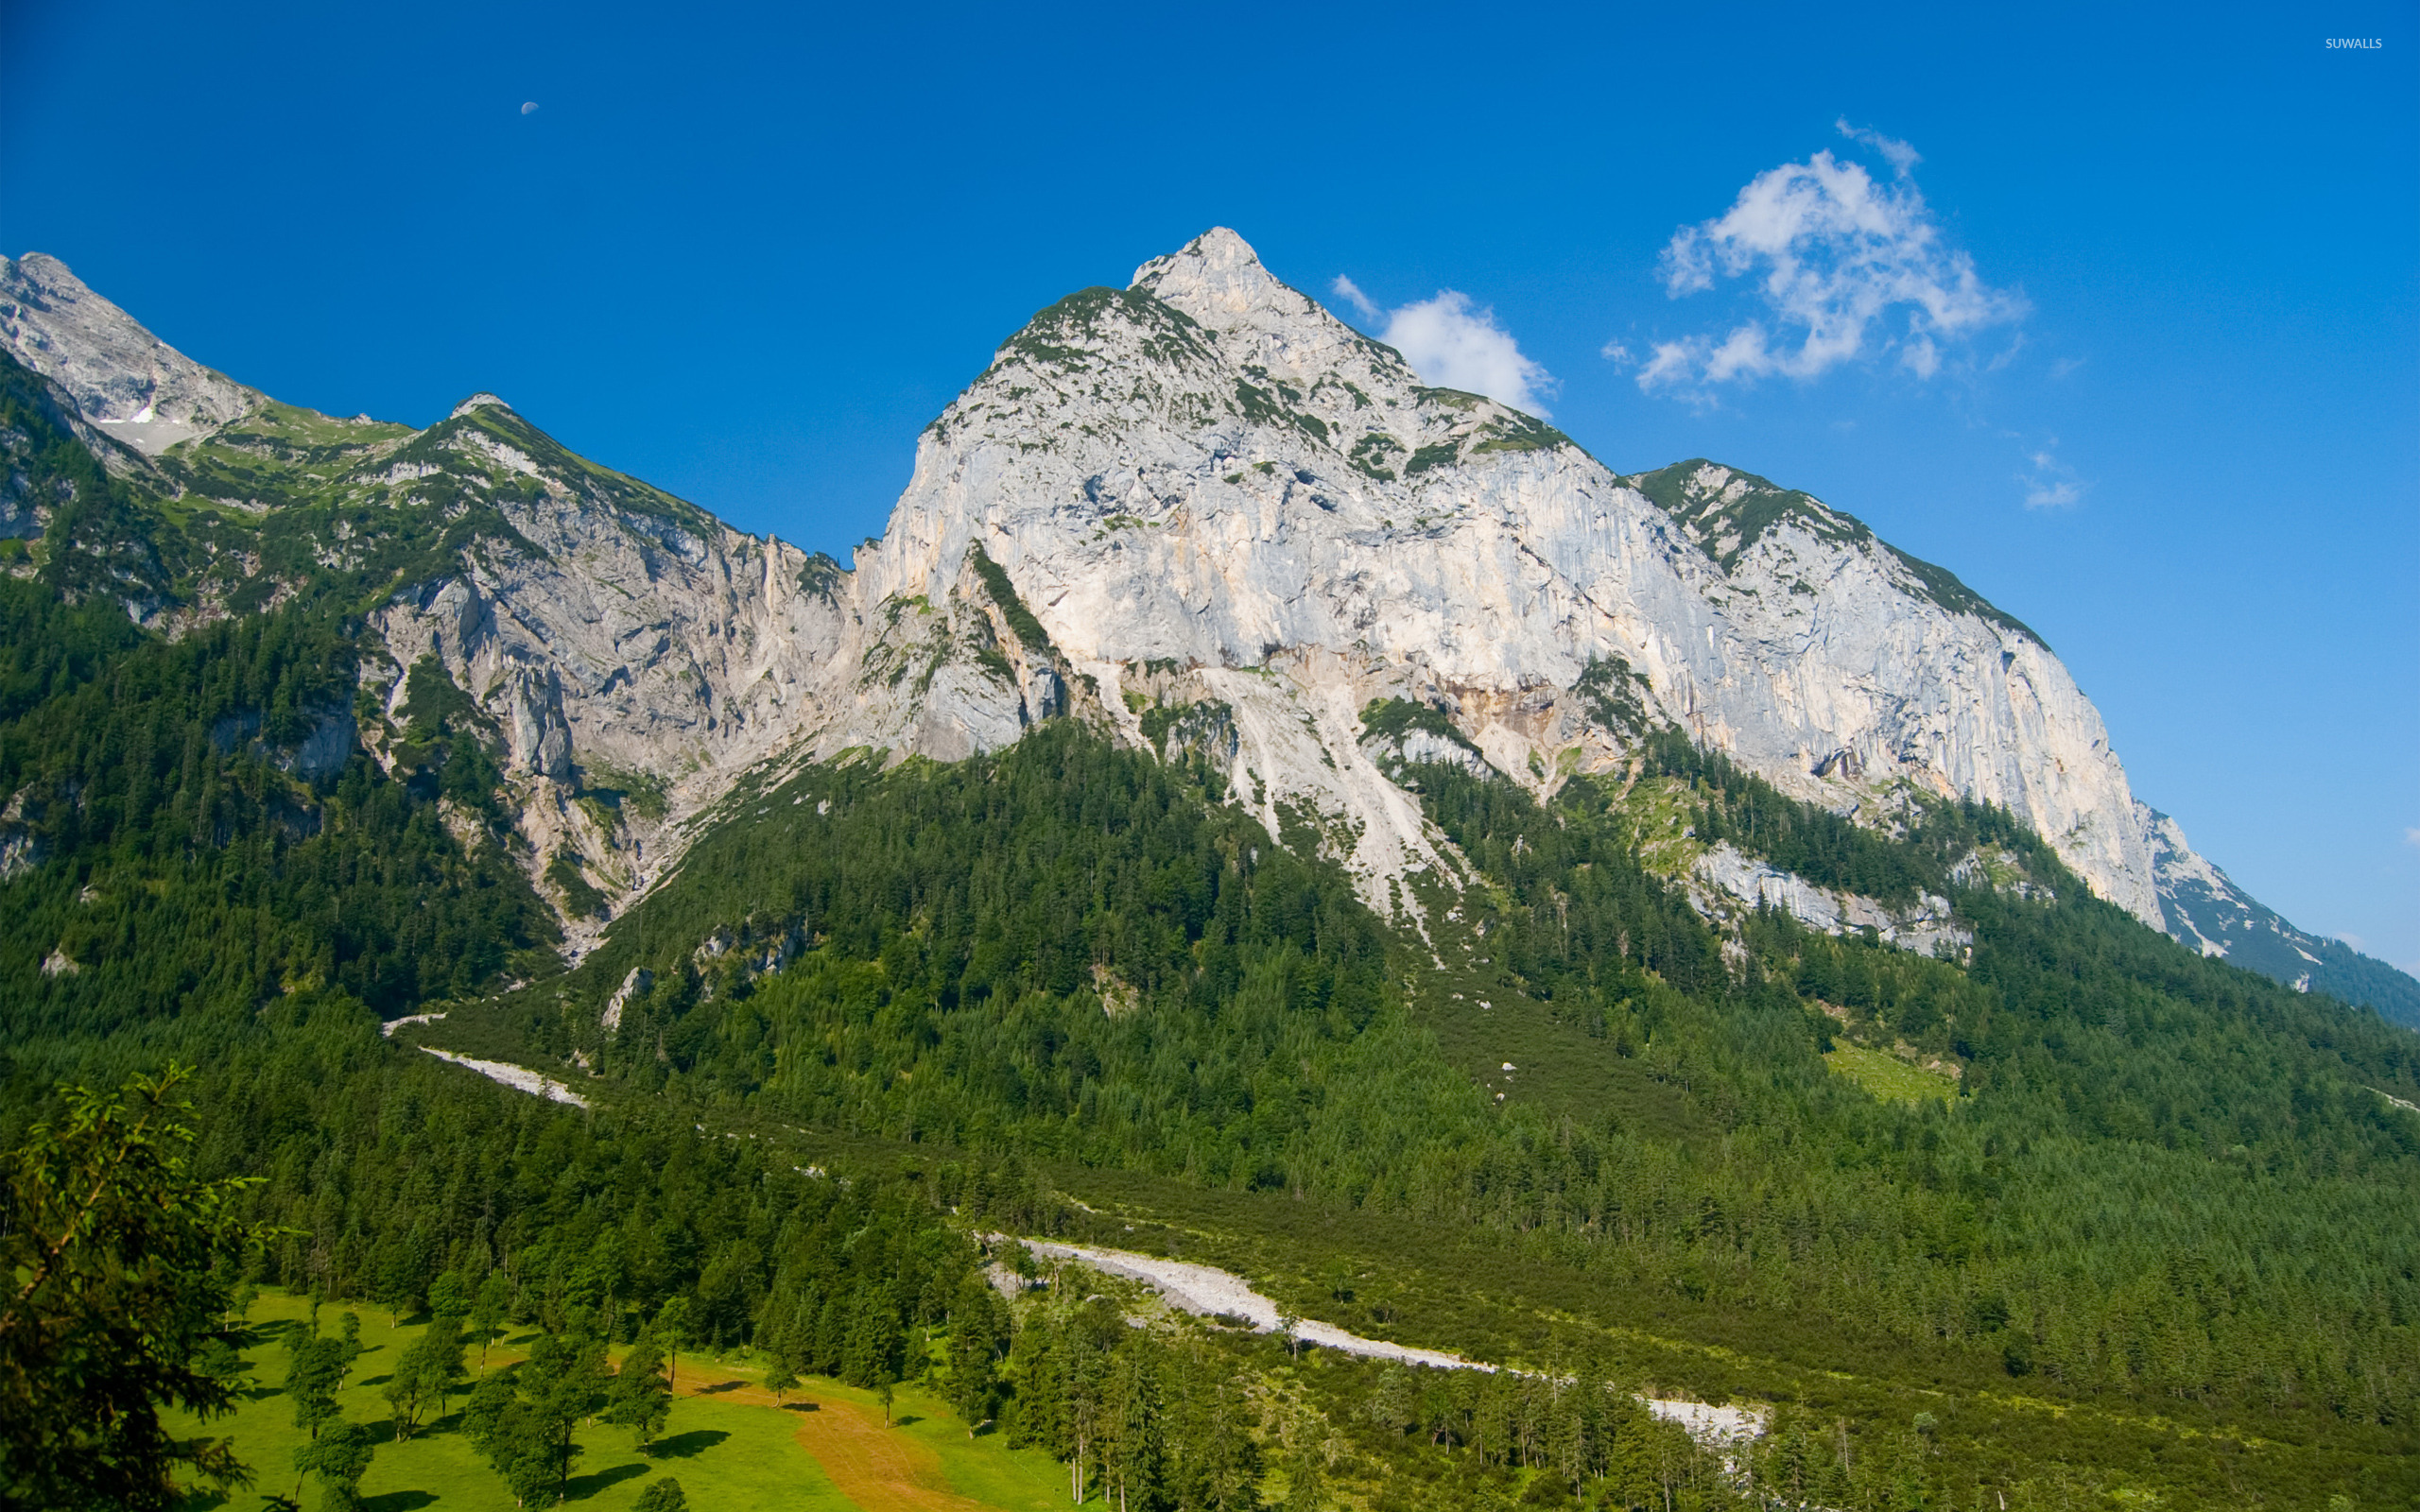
(1887, 1076)
(728, 1444)
(1659, 812)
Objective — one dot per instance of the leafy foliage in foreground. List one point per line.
(121, 1271)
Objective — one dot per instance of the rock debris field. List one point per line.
(1206, 1291)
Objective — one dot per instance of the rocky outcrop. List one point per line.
(2201, 906)
(122, 378)
(1726, 880)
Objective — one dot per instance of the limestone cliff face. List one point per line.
(1203, 495)
(135, 387)
(1206, 473)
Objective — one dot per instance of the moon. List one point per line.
(529, 107)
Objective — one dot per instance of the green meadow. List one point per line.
(726, 1452)
(1886, 1076)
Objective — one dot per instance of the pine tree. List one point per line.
(978, 1332)
(488, 1309)
(1306, 1477)
(871, 1356)
(1131, 1449)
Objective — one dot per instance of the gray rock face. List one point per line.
(627, 648)
(1206, 468)
(1726, 879)
(133, 385)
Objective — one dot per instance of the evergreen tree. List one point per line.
(1305, 1471)
(979, 1337)
(488, 1309)
(1133, 1452)
(871, 1356)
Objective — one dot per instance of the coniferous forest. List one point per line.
(2146, 1230)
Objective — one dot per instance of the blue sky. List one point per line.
(2154, 270)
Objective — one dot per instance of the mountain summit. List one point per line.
(1205, 472)
(1198, 511)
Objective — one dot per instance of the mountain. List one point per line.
(1251, 807)
(140, 391)
(1200, 491)
(1205, 470)
(2202, 907)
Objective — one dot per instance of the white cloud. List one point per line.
(2412, 837)
(2051, 484)
(1833, 256)
(1666, 360)
(2065, 366)
(1352, 294)
(1902, 157)
(1452, 344)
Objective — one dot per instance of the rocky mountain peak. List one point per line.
(1218, 280)
(135, 387)
(1205, 472)
(482, 400)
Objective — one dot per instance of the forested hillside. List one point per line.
(1062, 951)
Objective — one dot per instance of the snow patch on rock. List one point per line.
(121, 377)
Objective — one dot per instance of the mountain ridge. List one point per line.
(1228, 517)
